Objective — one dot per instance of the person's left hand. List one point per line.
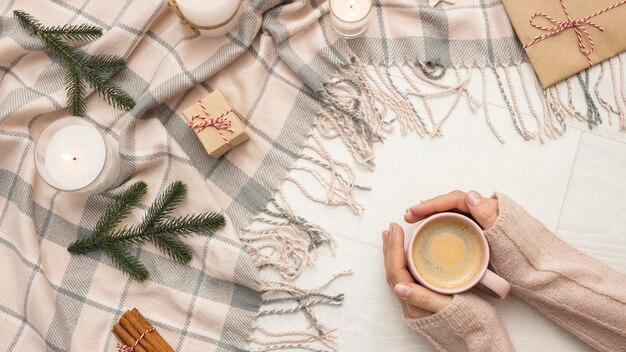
(417, 301)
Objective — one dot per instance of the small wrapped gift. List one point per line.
(564, 37)
(217, 124)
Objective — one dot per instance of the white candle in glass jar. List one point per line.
(72, 155)
(350, 17)
(212, 18)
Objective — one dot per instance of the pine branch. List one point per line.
(112, 94)
(78, 32)
(127, 263)
(75, 91)
(121, 208)
(174, 248)
(63, 51)
(154, 227)
(105, 63)
(161, 207)
(91, 68)
(181, 226)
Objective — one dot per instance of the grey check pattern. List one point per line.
(271, 68)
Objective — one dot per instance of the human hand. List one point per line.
(417, 301)
(484, 210)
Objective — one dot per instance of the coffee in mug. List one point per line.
(448, 253)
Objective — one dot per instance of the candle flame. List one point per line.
(69, 157)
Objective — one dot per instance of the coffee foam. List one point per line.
(447, 254)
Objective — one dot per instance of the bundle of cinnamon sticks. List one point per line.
(130, 328)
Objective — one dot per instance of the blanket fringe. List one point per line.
(339, 184)
(287, 242)
(282, 242)
(292, 299)
(362, 102)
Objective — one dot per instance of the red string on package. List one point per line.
(577, 25)
(220, 122)
(126, 348)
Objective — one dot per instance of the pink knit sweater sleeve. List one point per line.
(583, 295)
(467, 324)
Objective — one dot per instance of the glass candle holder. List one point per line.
(350, 17)
(209, 18)
(73, 155)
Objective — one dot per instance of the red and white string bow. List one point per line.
(126, 348)
(220, 123)
(577, 25)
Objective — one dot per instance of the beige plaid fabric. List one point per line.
(270, 69)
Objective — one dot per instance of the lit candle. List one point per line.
(212, 18)
(72, 155)
(350, 17)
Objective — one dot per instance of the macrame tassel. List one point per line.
(555, 112)
(409, 118)
(531, 106)
(350, 113)
(339, 184)
(617, 75)
(486, 106)
(508, 104)
(517, 112)
(610, 109)
(593, 114)
(547, 113)
(410, 73)
(287, 243)
(316, 337)
(568, 106)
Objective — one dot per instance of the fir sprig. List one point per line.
(94, 69)
(156, 227)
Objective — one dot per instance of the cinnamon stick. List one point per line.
(126, 337)
(134, 332)
(137, 320)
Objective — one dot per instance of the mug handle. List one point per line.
(494, 285)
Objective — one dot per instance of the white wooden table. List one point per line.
(576, 185)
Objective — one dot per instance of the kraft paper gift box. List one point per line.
(223, 130)
(559, 57)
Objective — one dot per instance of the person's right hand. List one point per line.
(484, 210)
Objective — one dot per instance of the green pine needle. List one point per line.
(75, 90)
(174, 248)
(155, 227)
(105, 63)
(136, 235)
(164, 204)
(127, 263)
(91, 68)
(162, 207)
(79, 32)
(122, 207)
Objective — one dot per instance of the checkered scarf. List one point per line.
(272, 69)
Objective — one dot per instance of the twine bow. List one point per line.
(577, 25)
(220, 123)
(126, 348)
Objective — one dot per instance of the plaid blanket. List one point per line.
(275, 69)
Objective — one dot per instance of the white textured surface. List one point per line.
(575, 185)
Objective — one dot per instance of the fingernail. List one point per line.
(402, 290)
(474, 198)
(408, 211)
(393, 229)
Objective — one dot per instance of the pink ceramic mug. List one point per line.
(485, 279)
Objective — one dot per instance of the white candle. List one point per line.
(212, 18)
(350, 17)
(72, 155)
